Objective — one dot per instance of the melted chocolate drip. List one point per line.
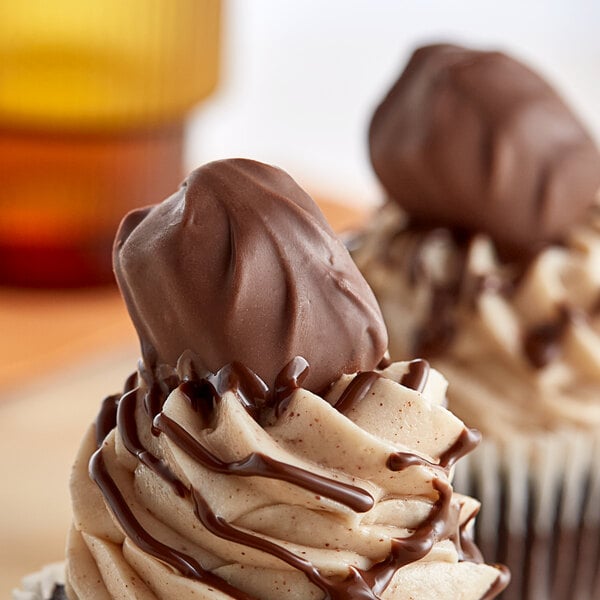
(202, 397)
(356, 390)
(106, 420)
(361, 584)
(288, 381)
(184, 564)
(417, 375)
(203, 394)
(398, 461)
(468, 548)
(384, 363)
(439, 330)
(250, 389)
(466, 442)
(437, 336)
(126, 423)
(256, 464)
(439, 525)
(157, 393)
(500, 584)
(219, 527)
(360, 386)
(131, 382)
(542, 344)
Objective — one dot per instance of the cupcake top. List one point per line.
(225, 468)
(230, 494)
(485, 258)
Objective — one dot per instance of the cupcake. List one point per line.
(485, 260)
(262, 450)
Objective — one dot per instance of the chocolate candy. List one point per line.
(477, 141)
(240, 265)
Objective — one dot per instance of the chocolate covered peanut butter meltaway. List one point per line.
(263, 450)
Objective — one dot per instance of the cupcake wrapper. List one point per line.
(540, 513)
(47, 584)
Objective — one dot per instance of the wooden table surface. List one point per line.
(61, 352)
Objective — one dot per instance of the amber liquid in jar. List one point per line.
(93, 101)
(63, 196)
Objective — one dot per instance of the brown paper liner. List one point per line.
(540, 512)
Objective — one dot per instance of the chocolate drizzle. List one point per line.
(439, 525)
(59, 593)
(356, 390)
(180, 561)
(468, 548)
(127, 426)
(288, 381)
(107, 418)
(158, 389)
(435, 337)
(360, 386)
(466, 442)
(260, 465)
(361, 584)
(203, 395)
(542, 344)
(416, 377)
(439, 330)
(500, 584)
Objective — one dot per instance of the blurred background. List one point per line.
(301, 78)
(106, 105)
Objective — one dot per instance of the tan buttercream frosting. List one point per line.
(519, 342)
(348, 438)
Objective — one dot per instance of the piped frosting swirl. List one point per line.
(218, 491)
(520, 343)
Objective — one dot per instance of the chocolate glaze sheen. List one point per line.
(476, 140)
(239, 265)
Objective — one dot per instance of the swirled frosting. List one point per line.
(217, 487)
(520, 343)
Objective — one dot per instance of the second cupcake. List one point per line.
(486, 260)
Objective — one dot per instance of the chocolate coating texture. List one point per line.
(241, 265)
(477, 141)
